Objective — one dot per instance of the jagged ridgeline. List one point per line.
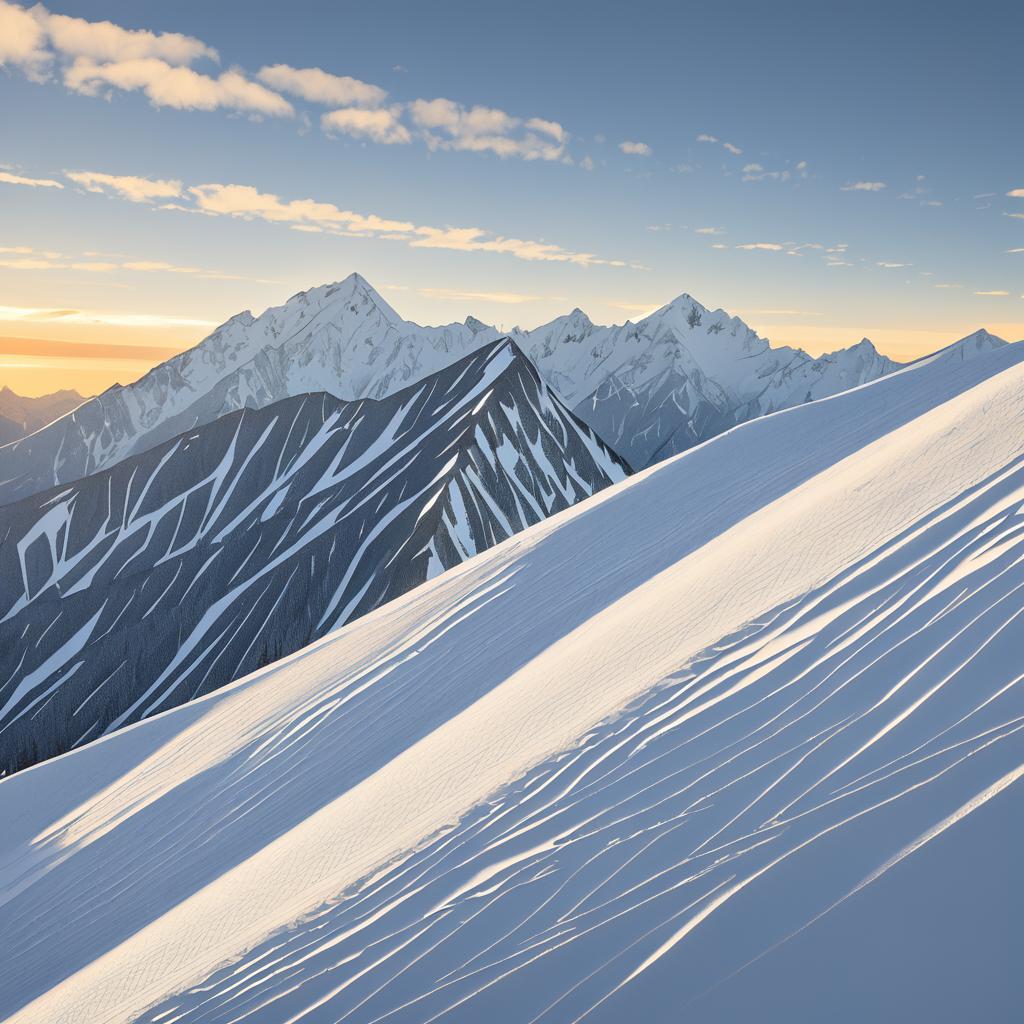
(650, 389)
(231, 545)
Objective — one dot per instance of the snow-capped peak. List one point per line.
(982, 340)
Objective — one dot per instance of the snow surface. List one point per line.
(594, 772)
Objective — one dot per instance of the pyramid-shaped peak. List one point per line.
(353, 290)
(475, 325)
(983, 339)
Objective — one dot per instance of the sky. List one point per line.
(824, 171)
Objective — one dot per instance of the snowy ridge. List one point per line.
(684, 374)
(341, 338)
(650, 389)
(228, 547)
(564, 780)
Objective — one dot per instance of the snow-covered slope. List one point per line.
(650, 389)
(206, 557)
(595, 771)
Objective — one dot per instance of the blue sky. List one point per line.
(813, 168)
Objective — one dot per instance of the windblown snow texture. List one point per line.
(137, 589)
(739, 737)
(650, 389)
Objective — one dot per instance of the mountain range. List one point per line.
(239, 542)
(650, 389)
(739, 736)
(21, 415)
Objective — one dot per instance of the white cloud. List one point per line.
(179, 87)
(709, 231)
(718, 245)
(735, 150)
(1000, 294)
(105, 41)
(1016, 193)
(318, 86)
(948, 286)
(892, 266)
(22, 41)
(248, 203)
(864, 186)
(1015, 250)
(95, 58)
(635, 148)
(552, 128)
(382, 124)
(767, 246)
(446, 124)
(137, 190)
(587, 163)
(704, 137)
(1017, 216)
(18, 179)
(755, 172)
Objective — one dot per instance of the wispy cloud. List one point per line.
(318, 86)
(1016, 193)
(635, 148)
(886, 265)
(1015, 250)
(864, 186)
(19, 179)
(445, 124)
(729, 147)
(126, 186)
(28, 314)
(26, 258)
(710, 231)
(248, 203)
(167, 85)
(382, 124)
(766, 246)
(995, 293)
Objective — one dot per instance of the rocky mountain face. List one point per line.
(232, 545)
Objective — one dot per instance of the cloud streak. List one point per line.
(18, 179)
(246, 202)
